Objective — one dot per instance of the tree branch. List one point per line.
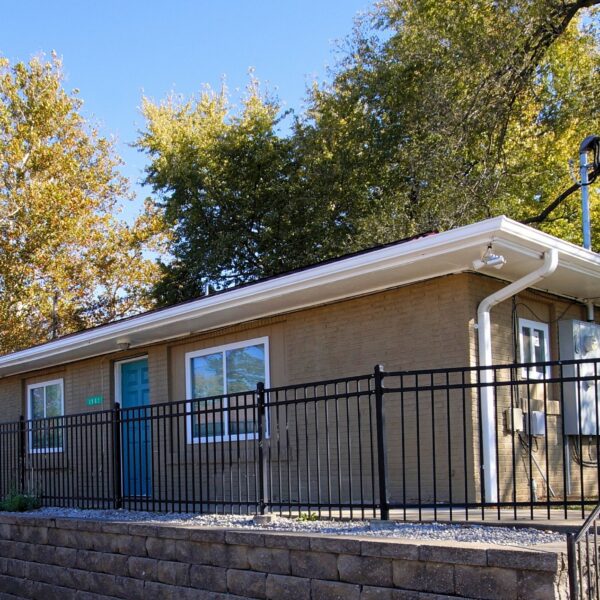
(553, 205)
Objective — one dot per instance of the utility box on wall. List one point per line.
(513, 419)
(535, 423)
(579, 340)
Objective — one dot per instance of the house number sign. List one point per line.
(94, 400)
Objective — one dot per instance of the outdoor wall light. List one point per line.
(489, 259)
(123, 344)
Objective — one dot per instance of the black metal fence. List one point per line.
(310, 447)
(512, 441)
(413, 445)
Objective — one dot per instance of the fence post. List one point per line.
(262, 457)
(22, 452)
(116, 436)
(381, 452)
(572, 566)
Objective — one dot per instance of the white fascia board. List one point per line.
(531, 242)
(392, 257)
(529, 235)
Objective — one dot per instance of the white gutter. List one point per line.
(312, 286)
(394, 256)
(484, 333)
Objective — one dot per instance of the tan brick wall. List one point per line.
(419, 325)
(11, 399)
(513, 450)
(412, 327)
(337, 340)
(424, 325)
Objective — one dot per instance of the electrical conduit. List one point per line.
(484, 333)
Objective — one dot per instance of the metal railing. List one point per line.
(582, 556)
(544, 440)
(309, 447)
(406, 444)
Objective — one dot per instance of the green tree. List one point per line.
(445, 112)
(230, 189)
(439, 113)
(65, 261)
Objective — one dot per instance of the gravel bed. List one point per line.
(421, 531)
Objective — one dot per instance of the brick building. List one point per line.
(407, 305)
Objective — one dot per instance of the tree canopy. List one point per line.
(66, 262)
(231, 190)
(439, 113)
(447, 112)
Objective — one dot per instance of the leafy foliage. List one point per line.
(307, 517)
(65, 261)
(17, 502)
(231, 192)
(443, 113)
(440, 113)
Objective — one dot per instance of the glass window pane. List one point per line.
(207, 375)
(539, 346)
(207, 418)
(526, 333)
(54, 436)
(38, 440)
(46, 402)
(534, 347)
(37, 403)
(211, 429)
(38, 436)
(53, 401)
(242, 415)
(245, 368)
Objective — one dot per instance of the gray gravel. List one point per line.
(422, 531)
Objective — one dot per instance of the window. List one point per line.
(216, 372)
(44, 405)
(533, 340)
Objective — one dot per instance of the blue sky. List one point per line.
(114, 52)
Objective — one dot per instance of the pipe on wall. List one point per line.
(590, 311)
(484, 334)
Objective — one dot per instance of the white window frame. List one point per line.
(44, 384)
(188, 389)
(533, 325)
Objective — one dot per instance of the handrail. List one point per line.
(573, 539)
(587, 523)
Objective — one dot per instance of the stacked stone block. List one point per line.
(94, 560)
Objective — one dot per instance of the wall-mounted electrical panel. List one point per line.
(580, 340)
(535, 423)
(513, 419)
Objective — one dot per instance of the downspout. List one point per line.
(484, 334)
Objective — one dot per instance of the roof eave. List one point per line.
(298, 286)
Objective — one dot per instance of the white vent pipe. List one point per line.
(484, 333)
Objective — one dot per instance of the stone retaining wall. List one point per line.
(98, 560)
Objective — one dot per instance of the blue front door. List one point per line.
(136, 433)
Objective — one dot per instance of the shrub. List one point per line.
(15, 502)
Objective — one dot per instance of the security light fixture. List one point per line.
(489, 259)
(123, 343)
